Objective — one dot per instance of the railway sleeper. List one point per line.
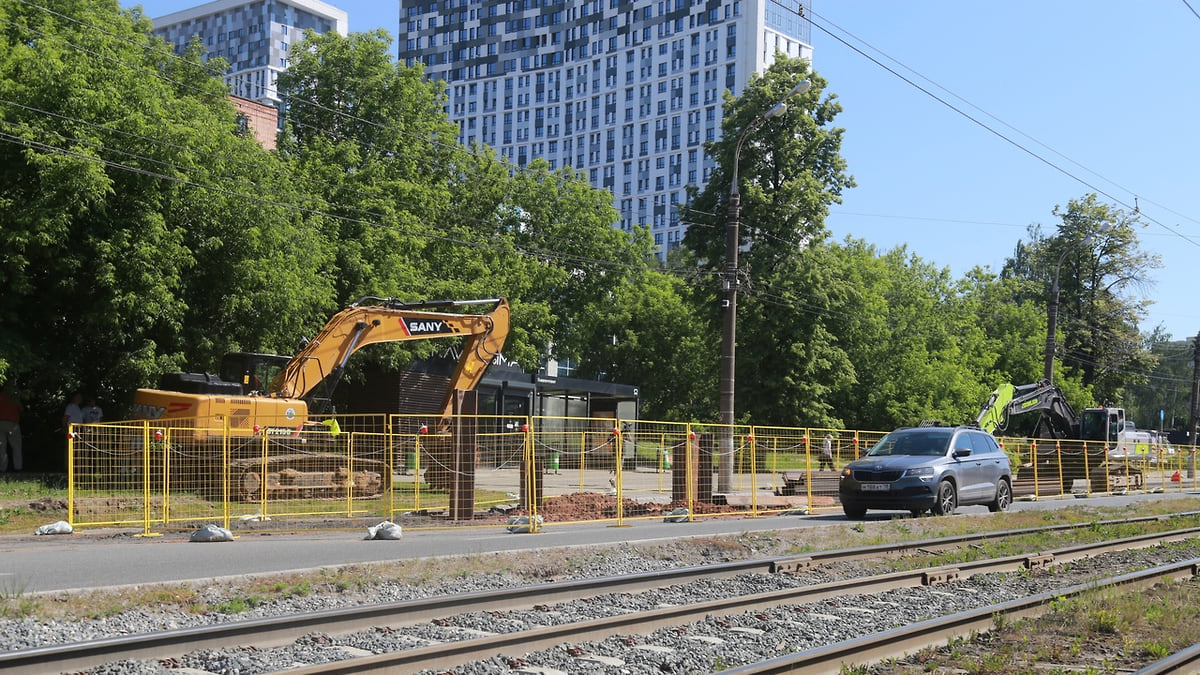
(941, 575)
(792, 566)
(1039, 561)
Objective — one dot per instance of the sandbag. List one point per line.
(386, 530)
(211, 533)
(61, 527)
(521, 524)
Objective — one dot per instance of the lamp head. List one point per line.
(781, 107)
(775, 111)
(799, 89)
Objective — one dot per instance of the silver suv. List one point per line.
(928, 469)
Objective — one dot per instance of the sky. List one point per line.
(1084, 96)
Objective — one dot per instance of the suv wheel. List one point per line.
(1003, 497)
(855, 512)
(947, 499)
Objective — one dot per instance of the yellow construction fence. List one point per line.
(515, 472)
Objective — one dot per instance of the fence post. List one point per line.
(1037, 488)
(618, 451)
(532, 479)
(754, 473)
(158, 435)
(417, 468)
(582, 457)
(349, 474)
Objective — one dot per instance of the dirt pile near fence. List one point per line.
(598, 506)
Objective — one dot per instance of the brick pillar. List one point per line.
(462, 480)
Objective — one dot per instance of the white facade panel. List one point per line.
(253, 36)
(624, 91)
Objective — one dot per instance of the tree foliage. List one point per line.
(1103, 275)
(1163, 396)
(142, 234)
(137, 238)
(789, 173)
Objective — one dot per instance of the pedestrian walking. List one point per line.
(826, 453)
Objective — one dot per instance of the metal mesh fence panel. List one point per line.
(328, 471)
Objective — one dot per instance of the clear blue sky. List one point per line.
(1110, 85)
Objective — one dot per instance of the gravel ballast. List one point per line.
(716, 643)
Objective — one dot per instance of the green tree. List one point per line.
(136, 228)
(1101, 285)
(373, 144)
(913, 335)
(645, 334)
(1167, 387)
(418, 214)
(792, 352)
(790, 171)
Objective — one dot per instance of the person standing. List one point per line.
(10, 431)
(73, 413)
(92, 413)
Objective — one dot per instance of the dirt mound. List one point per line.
(48, 504)
(598, 506)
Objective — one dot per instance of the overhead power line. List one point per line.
(811, 15)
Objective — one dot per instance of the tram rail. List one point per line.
(277, 631)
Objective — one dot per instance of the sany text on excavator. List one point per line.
(263, 402)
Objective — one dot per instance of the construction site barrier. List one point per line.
(463, 470)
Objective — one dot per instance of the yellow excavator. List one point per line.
(257, 395)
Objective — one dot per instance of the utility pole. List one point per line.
(729, 287)
(1194, 406)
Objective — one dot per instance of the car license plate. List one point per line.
(876, 487)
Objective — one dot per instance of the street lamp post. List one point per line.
(1052, 308)
(729, 285)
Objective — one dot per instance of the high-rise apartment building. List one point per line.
(626, 91)
(254, 36)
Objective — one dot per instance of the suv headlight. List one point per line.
(924, 473)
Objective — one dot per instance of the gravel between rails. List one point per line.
(716, 643)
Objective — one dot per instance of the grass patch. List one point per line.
(1103, 632)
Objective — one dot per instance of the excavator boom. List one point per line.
(304, 383)
(1057, 419)
(373, 320)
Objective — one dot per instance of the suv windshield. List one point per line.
(931, 442)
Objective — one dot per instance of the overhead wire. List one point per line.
(1006, 124)
(975, 120)
(1190, 8)
(425, 158)
(287, 96)
(256, 198)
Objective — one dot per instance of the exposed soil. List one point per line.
(48, 505)
(596, 506)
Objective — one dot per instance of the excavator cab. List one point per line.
(255, 373)
(1102, 424)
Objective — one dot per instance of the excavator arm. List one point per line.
(1057, 419)
(373, 320)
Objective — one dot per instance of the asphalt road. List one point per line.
(96, 558)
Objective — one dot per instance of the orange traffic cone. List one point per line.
(1175, 477)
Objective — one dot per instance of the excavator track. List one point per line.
(306, 476)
